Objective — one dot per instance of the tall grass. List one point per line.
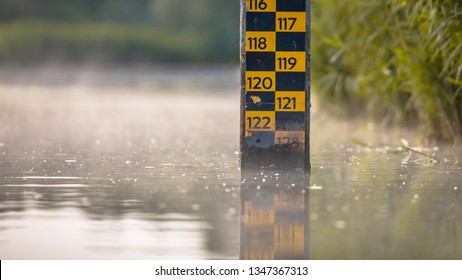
(398, 60)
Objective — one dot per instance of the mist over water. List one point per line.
(142, 163)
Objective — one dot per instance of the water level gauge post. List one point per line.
(275, 84)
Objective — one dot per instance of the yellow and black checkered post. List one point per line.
(275, 103)
(275, 84)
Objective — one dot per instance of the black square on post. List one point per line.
(290, 81)
(260, 61)
(259, 101)
(290, 121)
(291, 5)
(262, 140)
(293, 41)
(256, 21)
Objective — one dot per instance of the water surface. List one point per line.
(115, 163)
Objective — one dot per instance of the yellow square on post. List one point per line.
(260, 41)
(293, 139)
(291, 21)
(290, 101)
(260, 5)
(260, 121)
(290, 61)
(260, 81)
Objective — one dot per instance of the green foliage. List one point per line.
(97, 42)
(119, 30)
(401, 60)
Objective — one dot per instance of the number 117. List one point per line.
(286, 23)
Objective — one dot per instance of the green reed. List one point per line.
(399, 61)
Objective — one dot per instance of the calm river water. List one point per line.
(142, 163)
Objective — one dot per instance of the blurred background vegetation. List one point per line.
(119, 30)
(398, 61)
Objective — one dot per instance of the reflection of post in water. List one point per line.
(274, 216)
